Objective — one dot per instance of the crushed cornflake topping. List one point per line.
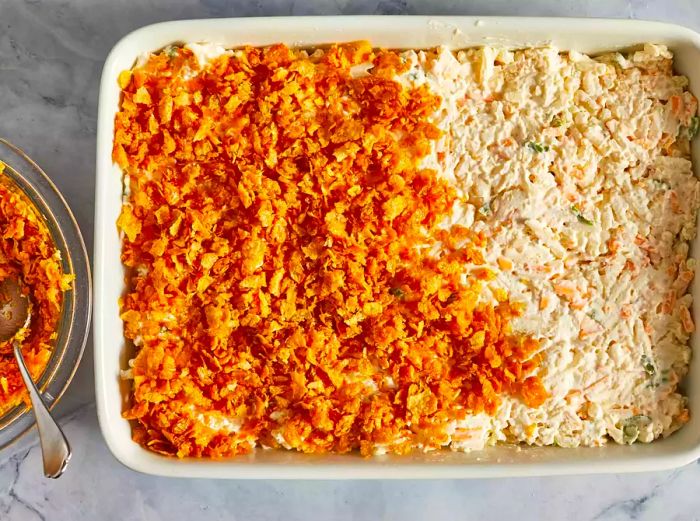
(28, 253)
(291, 284)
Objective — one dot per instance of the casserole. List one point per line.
(111, 355)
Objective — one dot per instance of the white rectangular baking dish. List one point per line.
(585, 35)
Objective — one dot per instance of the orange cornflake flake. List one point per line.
(28, 253)
(281, 293)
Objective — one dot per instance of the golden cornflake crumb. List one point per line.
(28, 253)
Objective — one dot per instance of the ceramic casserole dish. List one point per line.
(111, 353)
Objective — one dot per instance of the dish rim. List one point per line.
(656, 456)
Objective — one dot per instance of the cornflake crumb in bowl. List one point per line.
(41, 245)
(28, 253)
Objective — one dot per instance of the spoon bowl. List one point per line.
(15, 313)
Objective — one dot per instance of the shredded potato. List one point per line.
(284, 288)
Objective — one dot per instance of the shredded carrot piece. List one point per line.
(277, 229)
(676, 104)
(565, 289)
(687, 320)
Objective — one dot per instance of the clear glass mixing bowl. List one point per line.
(74, 322)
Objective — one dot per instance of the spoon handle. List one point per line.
(54, 445)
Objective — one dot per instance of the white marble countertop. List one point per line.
(51, 54)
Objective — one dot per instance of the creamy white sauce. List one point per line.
(207, 52)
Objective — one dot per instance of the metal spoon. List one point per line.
(15, 314)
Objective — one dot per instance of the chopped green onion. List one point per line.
(485, 209)
(171, 51)
(594, 314)
(631, 426)
(662, 184)
(630, 433)
(537, 147)
(397, 292)
(694, 127)
(580, 217)
(648, 365)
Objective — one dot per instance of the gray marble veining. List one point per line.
(51, 54)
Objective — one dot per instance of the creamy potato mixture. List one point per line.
(578, 171)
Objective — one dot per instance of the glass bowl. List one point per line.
(74, 322)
